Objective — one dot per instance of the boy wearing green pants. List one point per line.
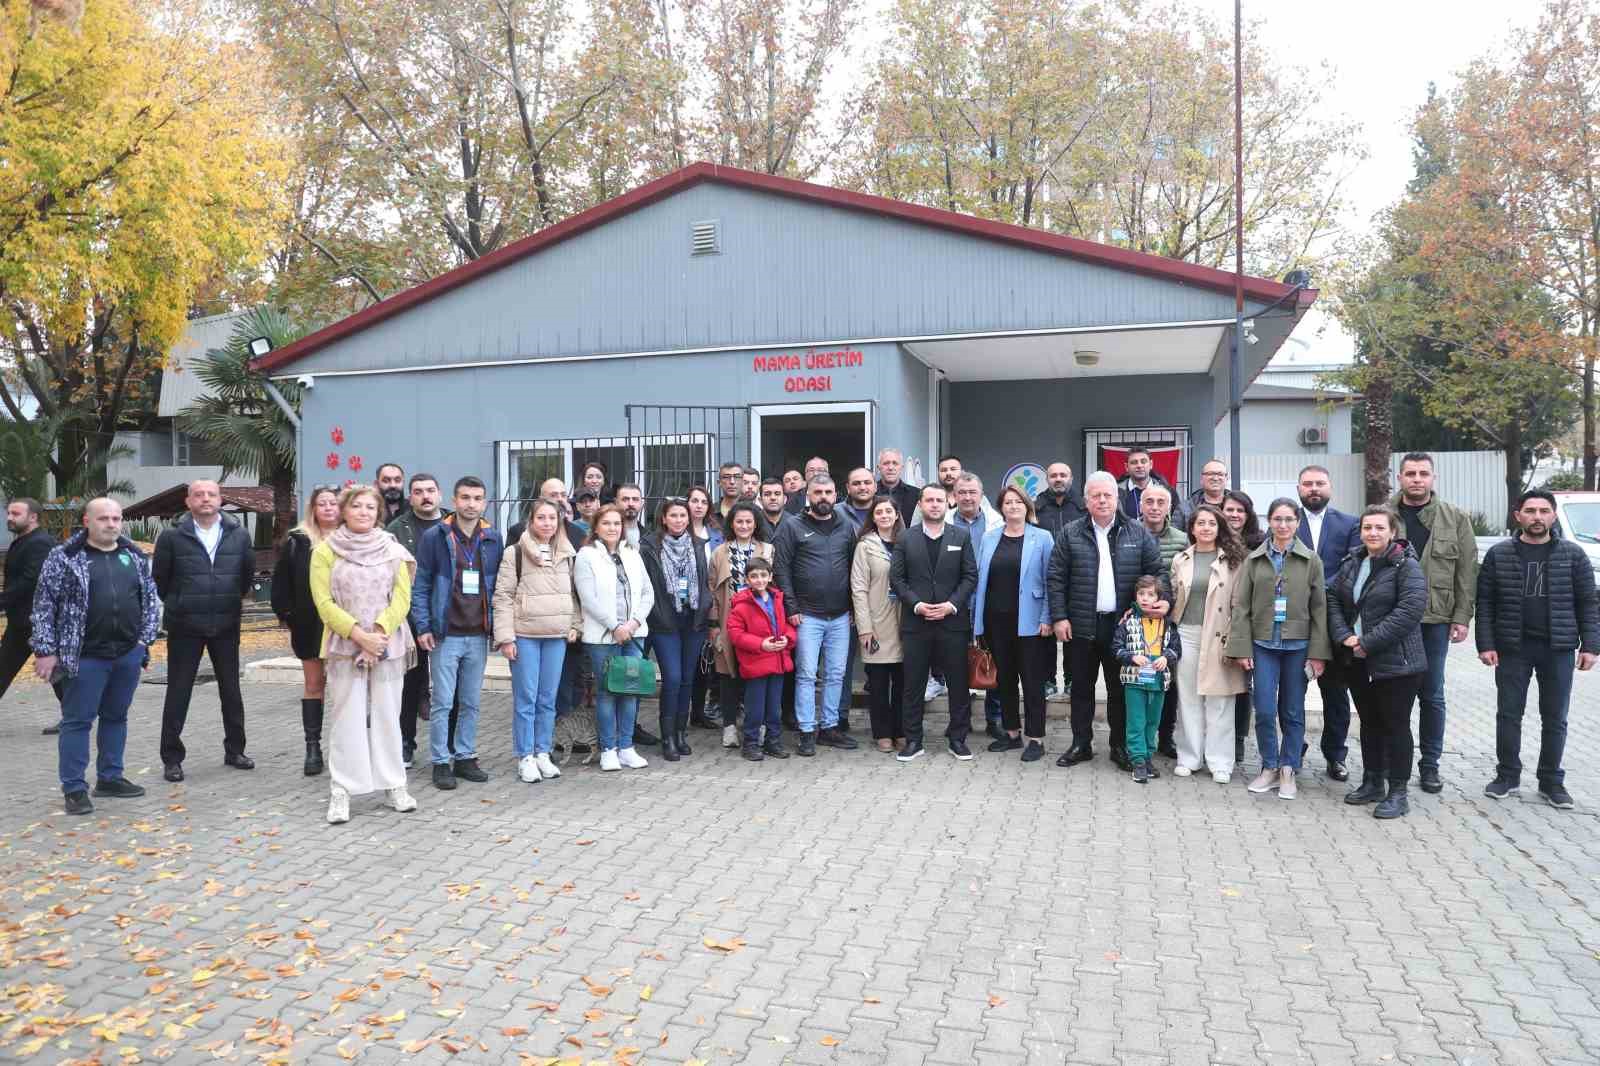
(1148, 648)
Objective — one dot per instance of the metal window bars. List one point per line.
(1152, 437)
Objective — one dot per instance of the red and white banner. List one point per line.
(1166, 461)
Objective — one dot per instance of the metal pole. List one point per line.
(1235, 367)
(277, 397)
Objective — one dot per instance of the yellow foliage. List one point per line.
(136, 162)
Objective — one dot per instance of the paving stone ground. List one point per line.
(842, 909)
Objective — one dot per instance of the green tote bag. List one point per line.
(629, 676)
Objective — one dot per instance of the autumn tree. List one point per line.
(1461, 324)
(1110, 124)
(762, 65)
(133, 172)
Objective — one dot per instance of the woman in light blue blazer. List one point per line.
(1011, 619)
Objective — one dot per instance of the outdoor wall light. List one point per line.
(260, 346)
(1086, 358)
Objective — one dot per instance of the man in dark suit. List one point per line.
(934, 572)
(1332, 534)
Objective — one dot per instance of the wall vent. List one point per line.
(705, 238)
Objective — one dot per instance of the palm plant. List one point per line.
(247, 432)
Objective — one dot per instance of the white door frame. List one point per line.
(760, 411)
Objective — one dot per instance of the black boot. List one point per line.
(683, 735)
(669, 739)
(1371, 790)
(1394, 805)
(311, 721)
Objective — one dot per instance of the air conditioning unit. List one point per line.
(1314, 435)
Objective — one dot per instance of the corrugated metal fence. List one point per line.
(1473, 481)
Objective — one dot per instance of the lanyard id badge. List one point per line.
(1280, 604)
(469, 582)
(1147, 677)
(683, 591)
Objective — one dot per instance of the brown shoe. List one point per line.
(885, 744)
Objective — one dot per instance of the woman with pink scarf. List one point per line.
(361, 584)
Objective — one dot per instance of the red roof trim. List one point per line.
(1088, 251)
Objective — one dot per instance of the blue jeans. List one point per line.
(103, 689)
(1511, 677)
(614, 715)
(1280, 695)
(829, 640)
(678, 655)
(1430, 720)
(763, 706)
(456, 665)
(535, 676)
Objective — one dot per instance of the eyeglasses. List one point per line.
(1285, 520)
(1213, 473)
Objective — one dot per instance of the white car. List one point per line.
(1577, 519)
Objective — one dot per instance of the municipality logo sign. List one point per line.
(1029, 477)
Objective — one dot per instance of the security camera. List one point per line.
(306, 381)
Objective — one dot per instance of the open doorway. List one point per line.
(783, 437)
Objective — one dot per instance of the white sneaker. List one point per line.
(631, 759)
(1265, 781)
(401, 800)
(730, 736)
(338, 806)
(528, 769)
(547, 769)
(1181, 770)
(608, 760)
(1221, 778)
(933, 691)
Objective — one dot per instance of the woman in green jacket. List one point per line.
(1280, 615)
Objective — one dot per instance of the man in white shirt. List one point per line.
(1089, 583)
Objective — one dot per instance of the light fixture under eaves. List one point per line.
(1086, 357)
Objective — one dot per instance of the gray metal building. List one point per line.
(720, 314)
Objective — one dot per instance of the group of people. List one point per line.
(1197, 620)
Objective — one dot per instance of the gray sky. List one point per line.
(1383, 53)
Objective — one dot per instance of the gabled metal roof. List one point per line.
(1119, 259)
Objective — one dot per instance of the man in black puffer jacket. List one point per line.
(1085, 608)
(1536, 606)
(203, 568)
(1377, 638)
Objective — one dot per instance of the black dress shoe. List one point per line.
(1005, 743)
(443, 778)
(1338, 772)
(1120, 759)
(239, 762)
(642, 736)
(173, 771)
(1394, 805)
(1428, 779)
(807, 744)
(468, 770)
(1033, 752)
(753, 753)
(832, 738)
(78, 803)
(120, 787)
(1076, 754)
(775, 749)
(1167, 749)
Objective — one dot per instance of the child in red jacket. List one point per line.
(763, 641)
